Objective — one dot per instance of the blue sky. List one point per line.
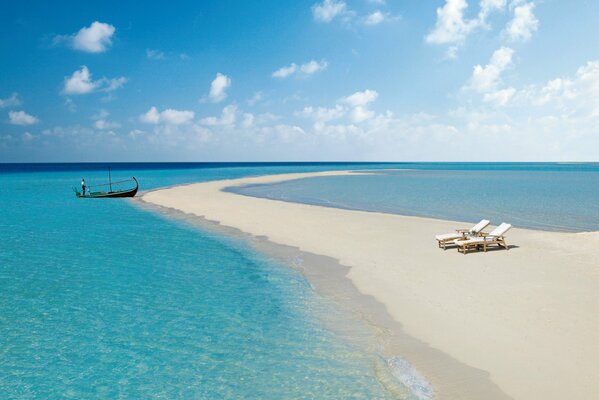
(412, 80)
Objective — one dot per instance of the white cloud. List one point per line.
(168, 116)
(227, 118)
(255, 98)
(176, 117)
(575, 96)
(11, 101)
(486, 78)
(113, 84)
(150, 117)
(80, 82)
(361, 98)
(152, 54)
(218, 88)
(328, 10)
(361, 114)
(313, 66)
(375, 18)
(499, 97)
(22, 118)
(248, 120)
(308, 68)
(102, 122)
(284, 72)
(557, 88)
(322, 114)
(355, 106)
(93, 39)
(488, 6)
(451, 27)
(524, 23)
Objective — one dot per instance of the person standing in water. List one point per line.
(83, 186)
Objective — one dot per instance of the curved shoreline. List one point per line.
(527, 316)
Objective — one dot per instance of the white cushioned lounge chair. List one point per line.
(449, 238)
(496, 237)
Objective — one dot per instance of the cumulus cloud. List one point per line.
(452, 27)
(227, 117)
(375, 18)
(524, 23)
(21, 118)
(80, 82)
(499, 97)
(218, 88)
(572, 96)
(102, 122)
(308, 68)
(361, 98)
(328, 10)
(361, 114)
(255, 98)
(168, 116)
(95, 38)
(313, 66)
(11, 101)
(322, 114)
(354, 106)
(284, 72)
(485, 78)
(487, 7)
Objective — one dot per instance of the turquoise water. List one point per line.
(550, 196)
(102, 299)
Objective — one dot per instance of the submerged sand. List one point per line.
(528, 316)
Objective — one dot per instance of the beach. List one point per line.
(526, 317)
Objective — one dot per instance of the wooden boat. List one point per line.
(91, 194)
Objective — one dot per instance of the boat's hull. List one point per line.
(102, 195)
(127, 193)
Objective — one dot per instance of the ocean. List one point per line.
(547, 196)
(106, 299)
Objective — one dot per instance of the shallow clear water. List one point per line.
(102, 299)
(547, 196)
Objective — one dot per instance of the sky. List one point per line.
(314, 80)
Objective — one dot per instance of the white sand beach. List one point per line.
(528, 316)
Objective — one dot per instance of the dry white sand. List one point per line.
(528, 316)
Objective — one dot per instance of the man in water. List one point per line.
(82, 186)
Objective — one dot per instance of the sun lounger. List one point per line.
(444, 239)
(496, 237)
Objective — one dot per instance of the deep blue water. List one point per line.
(549, 196)
(102, 299)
